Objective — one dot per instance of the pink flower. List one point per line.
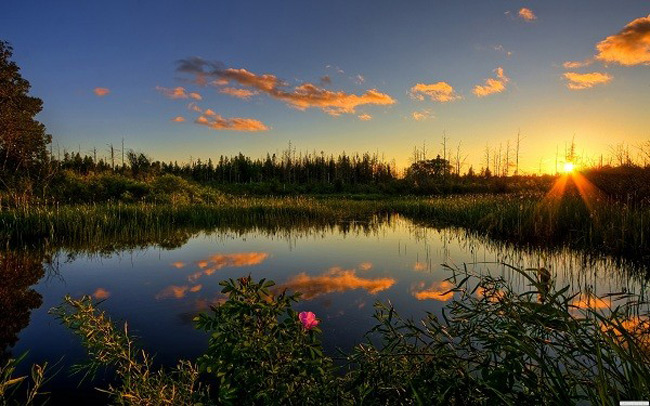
(308, 320)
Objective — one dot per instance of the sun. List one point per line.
(568, 167)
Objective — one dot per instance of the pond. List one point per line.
(342, 270)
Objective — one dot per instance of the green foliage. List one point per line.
(74, 188)
(9, 384)
(259, 351)
(108, 346)
(493, 345)
(23, 141)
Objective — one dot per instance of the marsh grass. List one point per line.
(608, 227)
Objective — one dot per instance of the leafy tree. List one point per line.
(23, 141)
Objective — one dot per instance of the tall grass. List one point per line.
(609, 227)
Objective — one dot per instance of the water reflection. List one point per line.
(335, 279)
(159, 282)
(177, 292)
(435, 291)
(18, 272)
(216, 262)
(101, 294)
(587, 300)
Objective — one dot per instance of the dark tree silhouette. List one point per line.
(23, 141)
(18, 272)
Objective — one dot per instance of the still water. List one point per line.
(341, 270)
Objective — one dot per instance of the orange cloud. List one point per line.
(421, 115)
(334, 280)
(178, 265)
(239, 93)
(101, 91)
(178, 119)
(302, 97)
(365, 117)
(309, 95)
(216, 122)
(101, 293)
(579, 81)
(178, 93)
(492, 85)
(631, 46)
(527, 14)
(577, 64)
(440, 92)
(436, 291)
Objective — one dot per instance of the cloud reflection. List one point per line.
(335, 279)
(436, 291)
(101, 293)
(216, 262)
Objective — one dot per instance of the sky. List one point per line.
(182, 80)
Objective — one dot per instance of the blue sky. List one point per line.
(131, 48)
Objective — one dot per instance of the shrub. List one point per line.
(259, 351)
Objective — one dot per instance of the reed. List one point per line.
(607, 227)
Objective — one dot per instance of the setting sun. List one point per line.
(568, 167)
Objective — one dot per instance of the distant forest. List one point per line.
(30, 173)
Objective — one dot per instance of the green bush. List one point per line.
(259, 351)
(493, 345)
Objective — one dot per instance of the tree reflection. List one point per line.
(19, 270)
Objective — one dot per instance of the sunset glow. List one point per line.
(568, 167)
(221, 80)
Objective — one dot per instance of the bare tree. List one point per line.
(517, 152)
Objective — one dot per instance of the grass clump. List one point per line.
(10, 384)
(139, 383)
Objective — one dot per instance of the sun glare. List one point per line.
(568, 167)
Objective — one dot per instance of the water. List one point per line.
(341, 270)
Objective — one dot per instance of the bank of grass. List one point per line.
(609, 227)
